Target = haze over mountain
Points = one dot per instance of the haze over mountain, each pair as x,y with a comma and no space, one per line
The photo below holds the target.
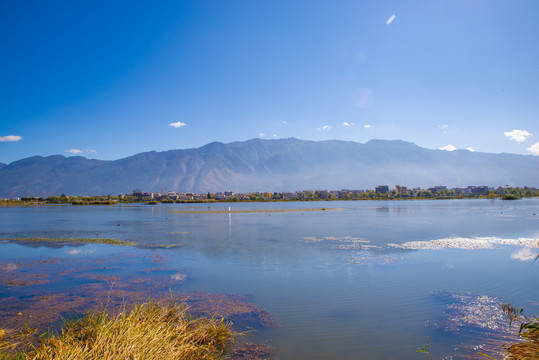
267,165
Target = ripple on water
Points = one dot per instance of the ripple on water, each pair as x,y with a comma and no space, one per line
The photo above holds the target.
479,322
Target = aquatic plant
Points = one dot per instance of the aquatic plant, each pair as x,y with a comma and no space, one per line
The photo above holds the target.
68,240
154,329
425,349
529,330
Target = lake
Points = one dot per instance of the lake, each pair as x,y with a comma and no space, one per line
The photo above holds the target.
341,279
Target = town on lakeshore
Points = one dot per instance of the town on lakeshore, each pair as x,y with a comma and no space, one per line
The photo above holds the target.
381,192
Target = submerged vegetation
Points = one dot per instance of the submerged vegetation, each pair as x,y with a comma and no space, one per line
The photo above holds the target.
154,329
72,240
250,211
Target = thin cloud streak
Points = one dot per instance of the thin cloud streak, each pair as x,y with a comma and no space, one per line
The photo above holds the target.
324,128
390,20
80,151
443,127
177,124
74,151
10,138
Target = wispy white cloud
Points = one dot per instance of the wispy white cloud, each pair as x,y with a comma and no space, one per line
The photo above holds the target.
10,138
448,148
274,135
80,151
348,123
325,128
443,127
390,20
177,124
534,148
74,151
517,135
284,122
470,149
367,126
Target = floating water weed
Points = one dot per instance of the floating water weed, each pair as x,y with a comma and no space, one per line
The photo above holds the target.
425,349
73,240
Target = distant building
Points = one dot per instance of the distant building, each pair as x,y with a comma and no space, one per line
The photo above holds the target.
381,189
437,189
143,195
401,190
288,195
478,190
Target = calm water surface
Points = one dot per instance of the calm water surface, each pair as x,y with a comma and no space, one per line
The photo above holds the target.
331,296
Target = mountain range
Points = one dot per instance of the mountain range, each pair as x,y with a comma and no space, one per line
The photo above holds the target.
267,165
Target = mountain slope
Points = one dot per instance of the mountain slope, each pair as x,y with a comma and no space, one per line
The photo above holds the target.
267,165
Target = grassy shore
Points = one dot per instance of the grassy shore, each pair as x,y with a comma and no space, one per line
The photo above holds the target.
154,329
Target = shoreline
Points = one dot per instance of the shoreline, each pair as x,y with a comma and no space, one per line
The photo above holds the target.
21,203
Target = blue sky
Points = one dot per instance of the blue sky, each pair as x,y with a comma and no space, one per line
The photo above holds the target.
108,80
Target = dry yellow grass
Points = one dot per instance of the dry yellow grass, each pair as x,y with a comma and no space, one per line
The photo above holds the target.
155,329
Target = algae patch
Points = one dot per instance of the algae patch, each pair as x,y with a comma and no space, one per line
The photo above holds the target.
341,242
72,240
471,243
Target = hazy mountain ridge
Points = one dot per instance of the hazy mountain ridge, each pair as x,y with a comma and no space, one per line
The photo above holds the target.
267,165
